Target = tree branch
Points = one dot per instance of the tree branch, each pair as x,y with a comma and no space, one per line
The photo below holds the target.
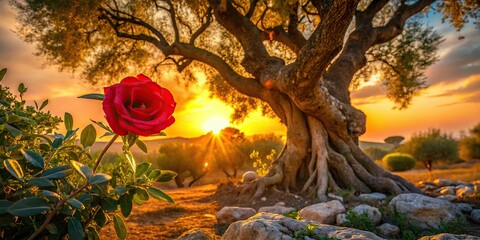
208,20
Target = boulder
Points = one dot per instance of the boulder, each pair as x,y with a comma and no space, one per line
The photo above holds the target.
476,187
424,211
448,236
276,209
333,196
465,191
323,212
341,219
388,230
227,215
372,198
448,190
372,212
464,207
266,226
475,215
249,176
444,182
447,197
196,234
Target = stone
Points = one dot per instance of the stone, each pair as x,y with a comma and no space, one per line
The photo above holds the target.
249,176
323,212
443,182
341,219
195,234
333,196
267,226
263,199
227,215
424,211
475,215
465,191
276,209
448,236
372,212
476,188
448,190
372,198
388,230
464,207
447,197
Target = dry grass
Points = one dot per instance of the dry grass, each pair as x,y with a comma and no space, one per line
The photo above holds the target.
466,171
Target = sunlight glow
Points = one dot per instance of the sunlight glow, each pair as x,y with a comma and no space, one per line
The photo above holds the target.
374,79
215,124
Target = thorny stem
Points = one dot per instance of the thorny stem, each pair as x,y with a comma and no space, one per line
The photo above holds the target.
63,201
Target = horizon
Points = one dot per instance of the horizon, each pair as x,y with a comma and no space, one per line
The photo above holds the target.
448,103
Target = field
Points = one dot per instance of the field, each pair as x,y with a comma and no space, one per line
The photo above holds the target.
196,207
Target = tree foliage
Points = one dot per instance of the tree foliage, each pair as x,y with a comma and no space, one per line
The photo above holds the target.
395,140
469,145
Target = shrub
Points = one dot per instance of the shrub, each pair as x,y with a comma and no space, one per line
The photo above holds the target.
398,162
359,221
262,165
431,146
50,187
376,153
469,146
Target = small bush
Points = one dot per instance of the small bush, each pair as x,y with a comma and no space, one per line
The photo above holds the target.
469,146
398,162
359,221
376,153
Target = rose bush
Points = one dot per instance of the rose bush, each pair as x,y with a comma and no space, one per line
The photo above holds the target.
139,106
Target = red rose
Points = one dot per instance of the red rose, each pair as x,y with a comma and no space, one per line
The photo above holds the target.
138,105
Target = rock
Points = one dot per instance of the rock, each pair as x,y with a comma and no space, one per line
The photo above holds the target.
475,215
424,211
476,188
464,207
372,198
322,212
276,209
444,182
447,197
423,183
280,204
195,234
388,230
263,199
465,191
333,196
448,236
227,215
372,212
449,190
266,226
341,219
249,176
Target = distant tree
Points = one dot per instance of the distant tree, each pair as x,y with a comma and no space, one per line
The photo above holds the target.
296,60
469,145
376,153
187,160
431,146
395,140
231,151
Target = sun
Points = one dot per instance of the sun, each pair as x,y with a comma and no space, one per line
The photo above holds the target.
215,124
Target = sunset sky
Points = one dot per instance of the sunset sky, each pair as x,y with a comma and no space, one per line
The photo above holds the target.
452,102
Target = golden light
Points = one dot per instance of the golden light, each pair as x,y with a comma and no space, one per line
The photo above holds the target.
206,164
215,124
374,80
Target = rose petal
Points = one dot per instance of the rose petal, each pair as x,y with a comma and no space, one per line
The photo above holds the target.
110,114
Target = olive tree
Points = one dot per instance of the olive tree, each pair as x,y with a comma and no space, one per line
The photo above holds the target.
296,60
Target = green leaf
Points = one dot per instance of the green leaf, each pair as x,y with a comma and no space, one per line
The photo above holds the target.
28,207
70,133
75,203
22,89
4,204
142,168
13,130
57,142
130,160
68,120
106,134
52,228
88,136
92,234
57,172
99,178
142,194
120,227
40,182
52,196
100,218
34,158
159,194
44,104
126,204
2,73
82,169
154,174
141,145
109,204
13,118
14,168
120,190
94,96
75,229
100,124
166,175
